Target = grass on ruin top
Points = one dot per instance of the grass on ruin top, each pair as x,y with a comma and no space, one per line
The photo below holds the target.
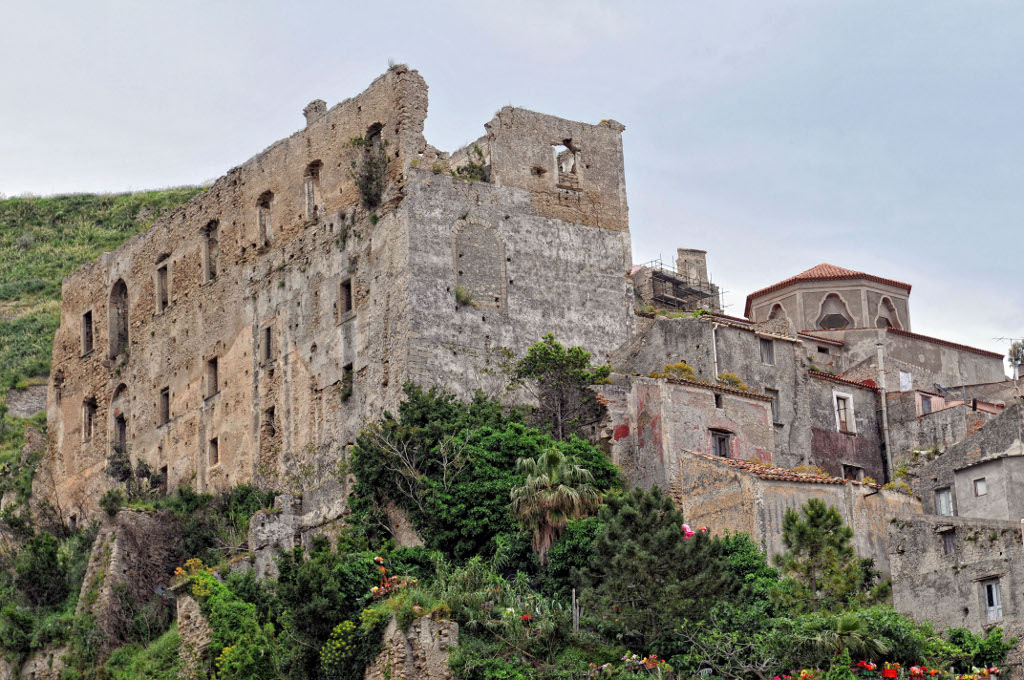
42,240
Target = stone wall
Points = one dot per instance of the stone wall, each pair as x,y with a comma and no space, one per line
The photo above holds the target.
419,653
940,429
942,579
27,402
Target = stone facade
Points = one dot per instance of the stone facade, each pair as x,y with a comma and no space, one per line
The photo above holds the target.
419,653
250,334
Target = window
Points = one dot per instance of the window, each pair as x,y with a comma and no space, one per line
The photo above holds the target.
212,386
948,542
263,217
267,343
774,394
834,314
87,332
120,444
214,450
344,299
211,250
165,405
566,164
347,382
906,381
944,502
718,400
720,443
993,602
926,405
980,487
311,183
88,418
823,350
161,289
163,480
767,351
844,413
117,317
853,472
268,422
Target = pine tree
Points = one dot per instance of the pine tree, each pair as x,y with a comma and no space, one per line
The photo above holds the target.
823,569
645,578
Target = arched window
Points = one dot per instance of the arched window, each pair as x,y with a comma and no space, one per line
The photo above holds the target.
887,316
266,232
117,319
777,312
834,314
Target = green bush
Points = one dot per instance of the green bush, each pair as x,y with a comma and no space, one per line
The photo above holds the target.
156,661
112,501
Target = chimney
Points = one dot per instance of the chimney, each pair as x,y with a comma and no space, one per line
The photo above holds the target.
314,110
692,263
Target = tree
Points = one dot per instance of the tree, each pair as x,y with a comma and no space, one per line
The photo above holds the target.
556,489
1016,357
822,568
40,572
560,379
644,577
837,635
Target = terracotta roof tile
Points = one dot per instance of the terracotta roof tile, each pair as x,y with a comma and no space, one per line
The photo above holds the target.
845,381
822,272
947,343
778,474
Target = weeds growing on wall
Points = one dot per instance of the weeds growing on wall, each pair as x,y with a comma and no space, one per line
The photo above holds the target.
369,169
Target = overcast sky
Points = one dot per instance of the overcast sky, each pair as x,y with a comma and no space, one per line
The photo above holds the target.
881,136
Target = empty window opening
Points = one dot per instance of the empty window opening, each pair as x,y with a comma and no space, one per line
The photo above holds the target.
212,385
120,443
767,351
777,312
165,405
311,184
844,413
993,601
344,298
269,429
347,381
58,386
718,400
774,394
161,289
720,441
163,481
373,134
88,418
118,318
211,250
823,350
853,472
263,205
214,451
944,502
73,521
87,332
948,542
980,487
887,316
565,158
267,342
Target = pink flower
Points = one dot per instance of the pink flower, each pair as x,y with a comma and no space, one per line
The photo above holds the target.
687,532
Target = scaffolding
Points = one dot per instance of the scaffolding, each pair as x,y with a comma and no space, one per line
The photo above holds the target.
674,289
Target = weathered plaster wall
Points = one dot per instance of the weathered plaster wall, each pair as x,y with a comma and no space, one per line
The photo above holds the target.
802,302
831,449
947,589
940,429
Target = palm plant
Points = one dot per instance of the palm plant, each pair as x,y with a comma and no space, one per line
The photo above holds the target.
830,636
556,490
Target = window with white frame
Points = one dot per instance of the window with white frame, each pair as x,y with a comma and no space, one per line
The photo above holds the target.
843,405
944,502
993,601
980,487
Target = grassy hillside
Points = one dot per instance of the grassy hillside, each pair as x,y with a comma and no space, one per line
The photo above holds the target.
44,239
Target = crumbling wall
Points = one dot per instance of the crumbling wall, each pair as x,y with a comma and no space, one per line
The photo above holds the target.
419,653
195,634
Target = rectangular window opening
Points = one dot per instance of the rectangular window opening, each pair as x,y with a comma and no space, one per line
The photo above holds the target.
853,472
718,400
268,343
823,350
993,600
926,405
948,542
212,385
214,450
767,351
720,443
211,250
161,289
344,298
906,381
88,418
944,502
347,381
844,414
980,487
774,394
165,405
120,444
87,336
268,422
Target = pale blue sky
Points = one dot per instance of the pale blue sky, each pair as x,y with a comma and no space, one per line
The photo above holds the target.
880,136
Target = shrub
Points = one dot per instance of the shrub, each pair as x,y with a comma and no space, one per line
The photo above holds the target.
39,573
112,501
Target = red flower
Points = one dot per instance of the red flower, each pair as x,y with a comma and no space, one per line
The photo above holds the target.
525,618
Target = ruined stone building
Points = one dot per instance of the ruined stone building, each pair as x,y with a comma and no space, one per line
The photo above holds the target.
249,336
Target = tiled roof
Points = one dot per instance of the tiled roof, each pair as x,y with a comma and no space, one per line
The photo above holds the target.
822,272
718,387
821,338
777,474
844,381
947,343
